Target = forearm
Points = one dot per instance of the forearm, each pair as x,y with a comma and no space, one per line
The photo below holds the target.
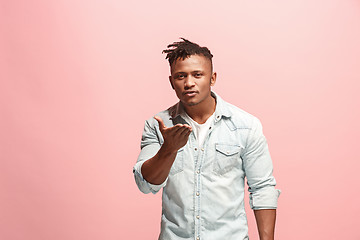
265,220
156,169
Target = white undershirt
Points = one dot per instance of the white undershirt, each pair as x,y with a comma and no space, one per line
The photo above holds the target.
200,130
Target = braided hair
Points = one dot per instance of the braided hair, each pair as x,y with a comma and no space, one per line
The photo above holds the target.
184,49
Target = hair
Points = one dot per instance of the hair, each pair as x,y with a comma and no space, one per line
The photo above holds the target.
184,49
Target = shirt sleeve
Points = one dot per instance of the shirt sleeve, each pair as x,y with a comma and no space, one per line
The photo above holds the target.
150,145
259,170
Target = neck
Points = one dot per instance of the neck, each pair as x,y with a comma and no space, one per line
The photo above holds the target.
202,111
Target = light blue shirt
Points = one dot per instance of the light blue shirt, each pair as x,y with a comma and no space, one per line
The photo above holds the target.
203,195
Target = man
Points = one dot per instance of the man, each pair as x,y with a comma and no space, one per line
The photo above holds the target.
199,151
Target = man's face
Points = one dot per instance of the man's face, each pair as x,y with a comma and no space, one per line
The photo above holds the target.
192,79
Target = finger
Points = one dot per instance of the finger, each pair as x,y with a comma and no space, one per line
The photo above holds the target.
185,134
160,121
188,126
183,131
176,129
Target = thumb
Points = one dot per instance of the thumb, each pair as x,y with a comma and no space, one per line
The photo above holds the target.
160,121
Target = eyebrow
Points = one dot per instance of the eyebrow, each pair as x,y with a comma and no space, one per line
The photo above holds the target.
180,73
196,71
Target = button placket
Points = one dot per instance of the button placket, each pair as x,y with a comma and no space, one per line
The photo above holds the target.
198,155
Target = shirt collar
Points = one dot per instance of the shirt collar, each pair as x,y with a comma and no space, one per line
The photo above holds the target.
220,110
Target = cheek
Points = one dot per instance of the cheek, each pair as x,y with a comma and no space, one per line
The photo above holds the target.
178,92
205,84
177,86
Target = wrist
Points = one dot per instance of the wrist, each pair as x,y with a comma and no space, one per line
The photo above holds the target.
167,149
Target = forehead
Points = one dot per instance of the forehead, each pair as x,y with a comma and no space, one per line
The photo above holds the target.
191,63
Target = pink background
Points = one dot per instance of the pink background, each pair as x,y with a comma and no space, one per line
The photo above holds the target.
79,78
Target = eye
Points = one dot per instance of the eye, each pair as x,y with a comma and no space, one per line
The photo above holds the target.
180,76
198,75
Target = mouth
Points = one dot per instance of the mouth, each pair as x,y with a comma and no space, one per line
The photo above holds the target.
190,93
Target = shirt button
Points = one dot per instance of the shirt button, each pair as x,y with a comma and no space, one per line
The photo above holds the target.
197,216
202,149
198,171
217,117
197,194
195,149
209,127
197,238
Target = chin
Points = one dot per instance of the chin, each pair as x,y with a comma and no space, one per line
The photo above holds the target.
189,103
192,104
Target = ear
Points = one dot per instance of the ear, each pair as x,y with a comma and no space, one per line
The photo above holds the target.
171,82
213,79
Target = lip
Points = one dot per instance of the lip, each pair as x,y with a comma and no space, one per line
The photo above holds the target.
190,93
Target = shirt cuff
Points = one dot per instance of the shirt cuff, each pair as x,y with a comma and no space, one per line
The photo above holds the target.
144,185
264,198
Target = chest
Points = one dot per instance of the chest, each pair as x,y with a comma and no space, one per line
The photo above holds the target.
220,154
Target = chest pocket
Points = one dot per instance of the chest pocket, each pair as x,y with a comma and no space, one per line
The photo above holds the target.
227,156
178,164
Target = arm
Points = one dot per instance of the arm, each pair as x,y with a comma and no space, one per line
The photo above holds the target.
156,169
155,161
258,168
265,220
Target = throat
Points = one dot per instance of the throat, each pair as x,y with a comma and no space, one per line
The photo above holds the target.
201,112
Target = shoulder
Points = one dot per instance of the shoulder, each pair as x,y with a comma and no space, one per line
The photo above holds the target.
241,118
165,115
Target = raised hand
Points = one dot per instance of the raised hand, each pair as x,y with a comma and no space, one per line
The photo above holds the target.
174,137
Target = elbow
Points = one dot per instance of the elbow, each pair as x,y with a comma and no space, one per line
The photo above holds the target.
141,183
144,186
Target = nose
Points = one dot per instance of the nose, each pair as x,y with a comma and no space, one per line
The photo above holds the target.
189,82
